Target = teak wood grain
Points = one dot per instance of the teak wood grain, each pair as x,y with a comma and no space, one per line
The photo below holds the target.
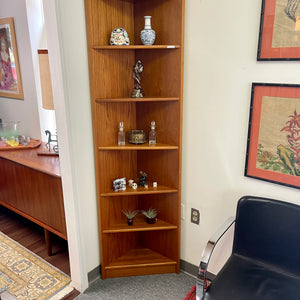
143,248
30,185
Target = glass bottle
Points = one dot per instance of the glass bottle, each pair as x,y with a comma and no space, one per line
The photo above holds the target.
121,135
152,134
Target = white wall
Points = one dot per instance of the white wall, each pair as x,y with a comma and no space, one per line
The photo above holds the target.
38,40
74,125
220,65
25,111
221,40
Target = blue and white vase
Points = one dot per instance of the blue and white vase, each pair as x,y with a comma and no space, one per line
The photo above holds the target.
148,34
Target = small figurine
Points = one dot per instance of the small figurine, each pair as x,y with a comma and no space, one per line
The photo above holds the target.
137,91
52,138
143,178
119,37
130,182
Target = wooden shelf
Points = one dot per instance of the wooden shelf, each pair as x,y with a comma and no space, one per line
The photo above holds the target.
143,248
145,146
140,225
135,47
140,257
146,99
141,191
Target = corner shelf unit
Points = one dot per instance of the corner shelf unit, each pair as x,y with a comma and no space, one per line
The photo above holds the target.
143,248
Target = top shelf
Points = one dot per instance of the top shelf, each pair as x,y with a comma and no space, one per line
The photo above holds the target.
135,47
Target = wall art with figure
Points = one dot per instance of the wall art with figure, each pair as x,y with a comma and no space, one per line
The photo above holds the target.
273,151
279,37
10,77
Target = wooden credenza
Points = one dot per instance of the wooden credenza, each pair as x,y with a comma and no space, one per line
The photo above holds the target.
30,185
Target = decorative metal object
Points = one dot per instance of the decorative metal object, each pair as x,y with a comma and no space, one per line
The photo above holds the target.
119,37
119,184
137,137
52,140
143,178
137,91
148,34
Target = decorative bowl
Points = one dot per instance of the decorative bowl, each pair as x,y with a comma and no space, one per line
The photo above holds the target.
137,137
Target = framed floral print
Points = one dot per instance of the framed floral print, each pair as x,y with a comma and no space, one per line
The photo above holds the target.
10,76
273,150
279,37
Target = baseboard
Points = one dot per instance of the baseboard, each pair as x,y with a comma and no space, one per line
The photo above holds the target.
188,268
184,266
193,270
94,274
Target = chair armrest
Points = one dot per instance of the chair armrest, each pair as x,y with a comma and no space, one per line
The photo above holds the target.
207,252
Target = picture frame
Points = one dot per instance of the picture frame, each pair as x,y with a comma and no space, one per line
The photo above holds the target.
10,76
273,145
279,36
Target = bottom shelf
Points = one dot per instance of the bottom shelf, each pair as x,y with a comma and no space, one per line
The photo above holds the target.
140,261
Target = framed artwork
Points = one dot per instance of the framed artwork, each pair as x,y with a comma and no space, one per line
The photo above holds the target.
279,37
10,77
273,150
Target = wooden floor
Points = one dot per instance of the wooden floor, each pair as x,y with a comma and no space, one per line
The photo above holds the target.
31,236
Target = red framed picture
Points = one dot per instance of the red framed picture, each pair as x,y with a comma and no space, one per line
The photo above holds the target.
279,37
273,150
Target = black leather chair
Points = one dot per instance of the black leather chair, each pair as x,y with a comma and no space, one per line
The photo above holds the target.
265,259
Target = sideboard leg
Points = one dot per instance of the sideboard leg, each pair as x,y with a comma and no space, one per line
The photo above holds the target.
48,242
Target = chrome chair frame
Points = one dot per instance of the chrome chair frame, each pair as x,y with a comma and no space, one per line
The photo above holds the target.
206,255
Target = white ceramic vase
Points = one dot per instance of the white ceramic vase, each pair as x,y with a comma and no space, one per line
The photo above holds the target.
148,34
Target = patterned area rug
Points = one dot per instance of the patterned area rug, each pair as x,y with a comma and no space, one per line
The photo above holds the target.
28,277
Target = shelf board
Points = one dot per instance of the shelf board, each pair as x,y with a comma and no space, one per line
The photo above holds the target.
140,225
145,146
129,99
141,190
141,257
135,47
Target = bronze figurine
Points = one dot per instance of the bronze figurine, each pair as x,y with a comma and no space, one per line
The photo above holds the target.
137,91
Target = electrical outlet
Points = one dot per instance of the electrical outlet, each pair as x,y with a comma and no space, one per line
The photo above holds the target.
195,216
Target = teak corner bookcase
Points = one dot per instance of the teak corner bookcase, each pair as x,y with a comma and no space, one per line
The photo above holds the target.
142,248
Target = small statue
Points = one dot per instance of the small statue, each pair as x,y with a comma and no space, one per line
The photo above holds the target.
143,178
137,91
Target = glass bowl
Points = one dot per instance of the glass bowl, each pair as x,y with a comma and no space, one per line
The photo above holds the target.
9,130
